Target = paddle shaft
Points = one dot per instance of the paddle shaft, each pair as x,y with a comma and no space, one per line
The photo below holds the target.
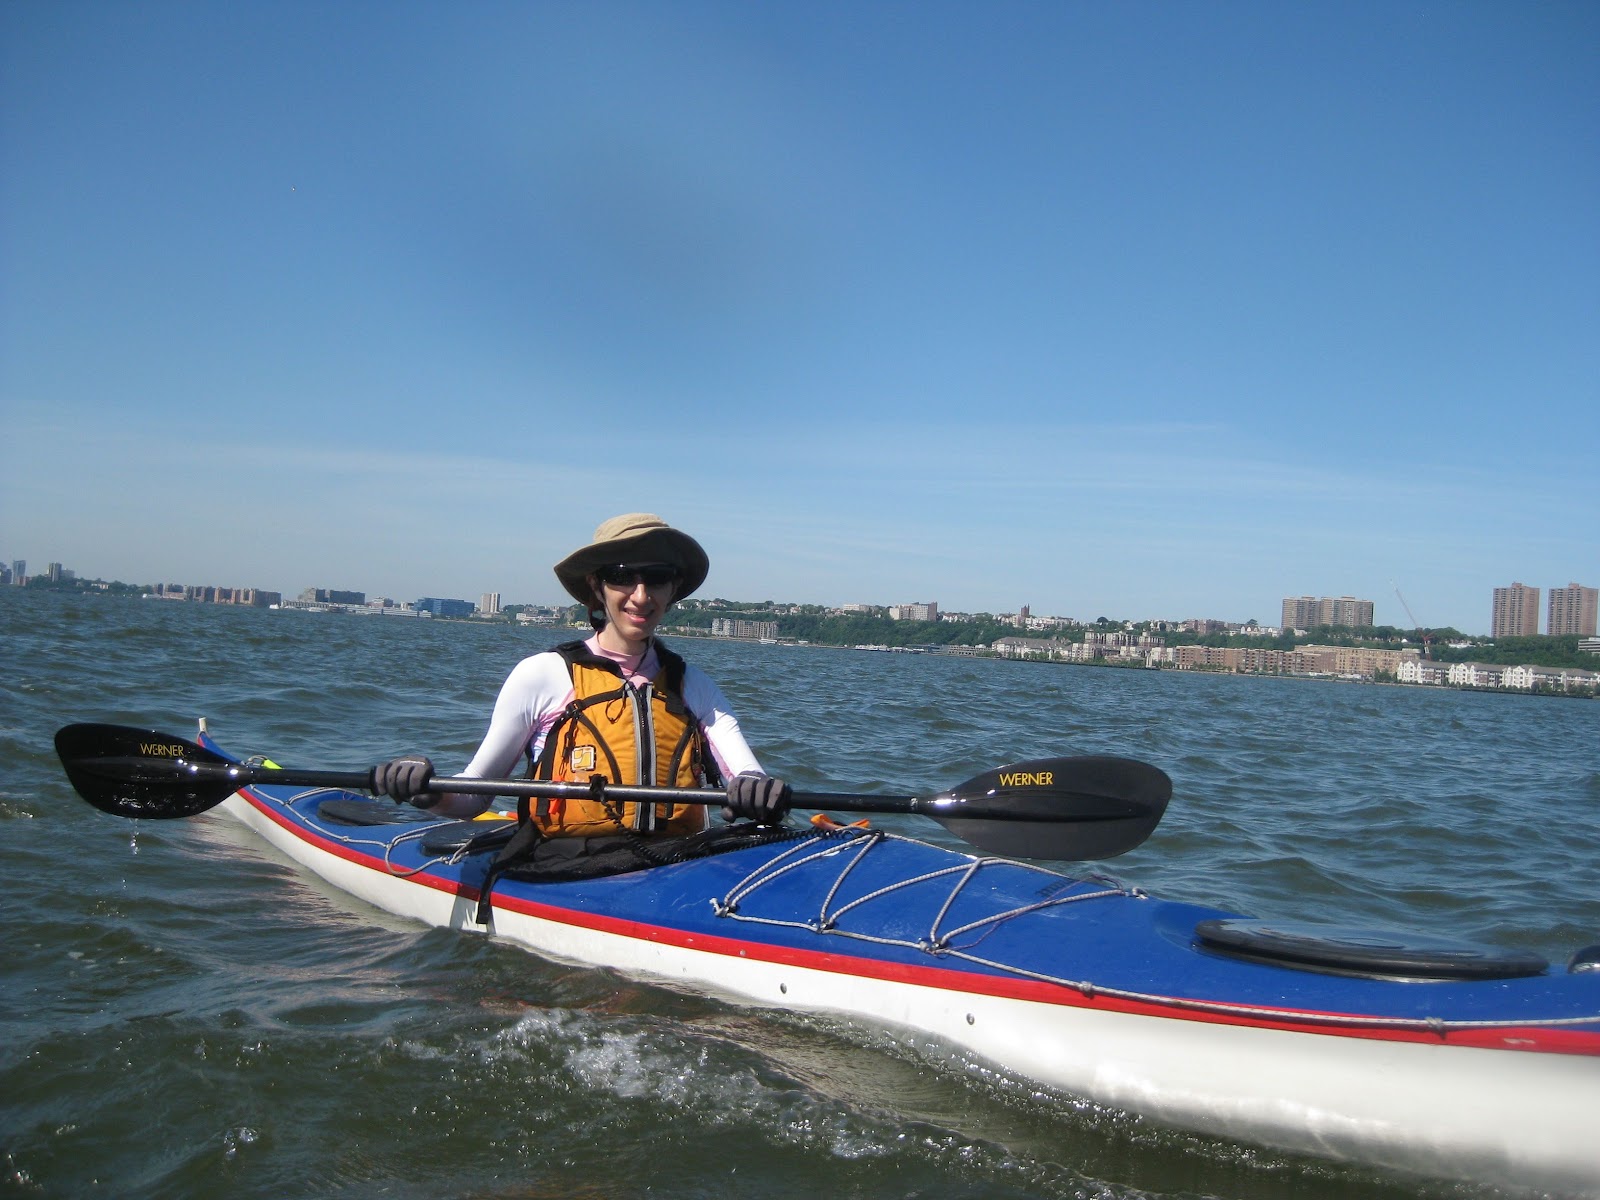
242,775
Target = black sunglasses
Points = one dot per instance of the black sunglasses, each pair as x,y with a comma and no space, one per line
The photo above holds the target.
628,575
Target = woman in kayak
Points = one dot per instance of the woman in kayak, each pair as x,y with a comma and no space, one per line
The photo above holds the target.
619,705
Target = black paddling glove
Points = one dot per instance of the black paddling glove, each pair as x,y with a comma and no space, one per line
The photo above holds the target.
759,798
404,779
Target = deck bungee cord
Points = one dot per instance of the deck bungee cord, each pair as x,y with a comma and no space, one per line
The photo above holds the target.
938,944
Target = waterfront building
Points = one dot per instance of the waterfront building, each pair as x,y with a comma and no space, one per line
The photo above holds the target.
1573,609
1536,676
1223,658
1523,678
1351,662
1359,661
1470,674
1422,670
209,594
1559,679
489,604
1025,647
19,571
1261,662
332,596
546,614
443,607
730,628
1515,612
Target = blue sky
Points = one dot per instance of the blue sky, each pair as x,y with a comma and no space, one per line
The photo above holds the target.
1130,310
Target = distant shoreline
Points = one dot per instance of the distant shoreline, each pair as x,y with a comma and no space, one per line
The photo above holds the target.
1578,682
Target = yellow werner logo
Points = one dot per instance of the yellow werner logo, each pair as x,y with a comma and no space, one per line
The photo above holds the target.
162,749
1027,778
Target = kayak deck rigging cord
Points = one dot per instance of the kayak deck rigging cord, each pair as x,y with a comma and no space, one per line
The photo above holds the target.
935,942
938,943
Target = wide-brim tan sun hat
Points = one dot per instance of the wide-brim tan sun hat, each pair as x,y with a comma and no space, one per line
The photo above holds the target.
633,538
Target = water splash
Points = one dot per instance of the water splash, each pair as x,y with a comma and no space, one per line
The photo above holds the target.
235,1140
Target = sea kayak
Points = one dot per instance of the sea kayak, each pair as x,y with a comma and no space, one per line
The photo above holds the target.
1441,1059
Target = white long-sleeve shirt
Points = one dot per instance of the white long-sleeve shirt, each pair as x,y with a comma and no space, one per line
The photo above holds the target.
539,689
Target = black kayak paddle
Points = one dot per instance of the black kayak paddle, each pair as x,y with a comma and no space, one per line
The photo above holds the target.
1089,806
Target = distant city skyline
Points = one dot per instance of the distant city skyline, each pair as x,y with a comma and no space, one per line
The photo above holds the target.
1573,610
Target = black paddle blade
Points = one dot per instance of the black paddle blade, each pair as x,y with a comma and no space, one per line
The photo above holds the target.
140,773
1090,806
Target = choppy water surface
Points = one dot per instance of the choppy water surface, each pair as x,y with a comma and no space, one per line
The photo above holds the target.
186,1014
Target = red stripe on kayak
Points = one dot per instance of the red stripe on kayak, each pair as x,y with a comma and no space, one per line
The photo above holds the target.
361,858
1495,1037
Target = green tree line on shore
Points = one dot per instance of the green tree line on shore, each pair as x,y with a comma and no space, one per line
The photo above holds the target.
812,623
43,583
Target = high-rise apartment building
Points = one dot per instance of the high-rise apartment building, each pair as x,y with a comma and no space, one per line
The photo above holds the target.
1307,612
1300,612
489,603
1515,612
1346,610
1573,609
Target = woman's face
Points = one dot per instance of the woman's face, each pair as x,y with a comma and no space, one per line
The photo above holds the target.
635,602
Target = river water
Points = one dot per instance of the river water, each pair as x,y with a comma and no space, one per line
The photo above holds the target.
185,1013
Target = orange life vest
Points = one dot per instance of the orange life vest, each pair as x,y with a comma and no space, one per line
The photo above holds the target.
624,734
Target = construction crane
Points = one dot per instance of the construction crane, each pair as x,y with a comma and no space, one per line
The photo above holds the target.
1427,638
